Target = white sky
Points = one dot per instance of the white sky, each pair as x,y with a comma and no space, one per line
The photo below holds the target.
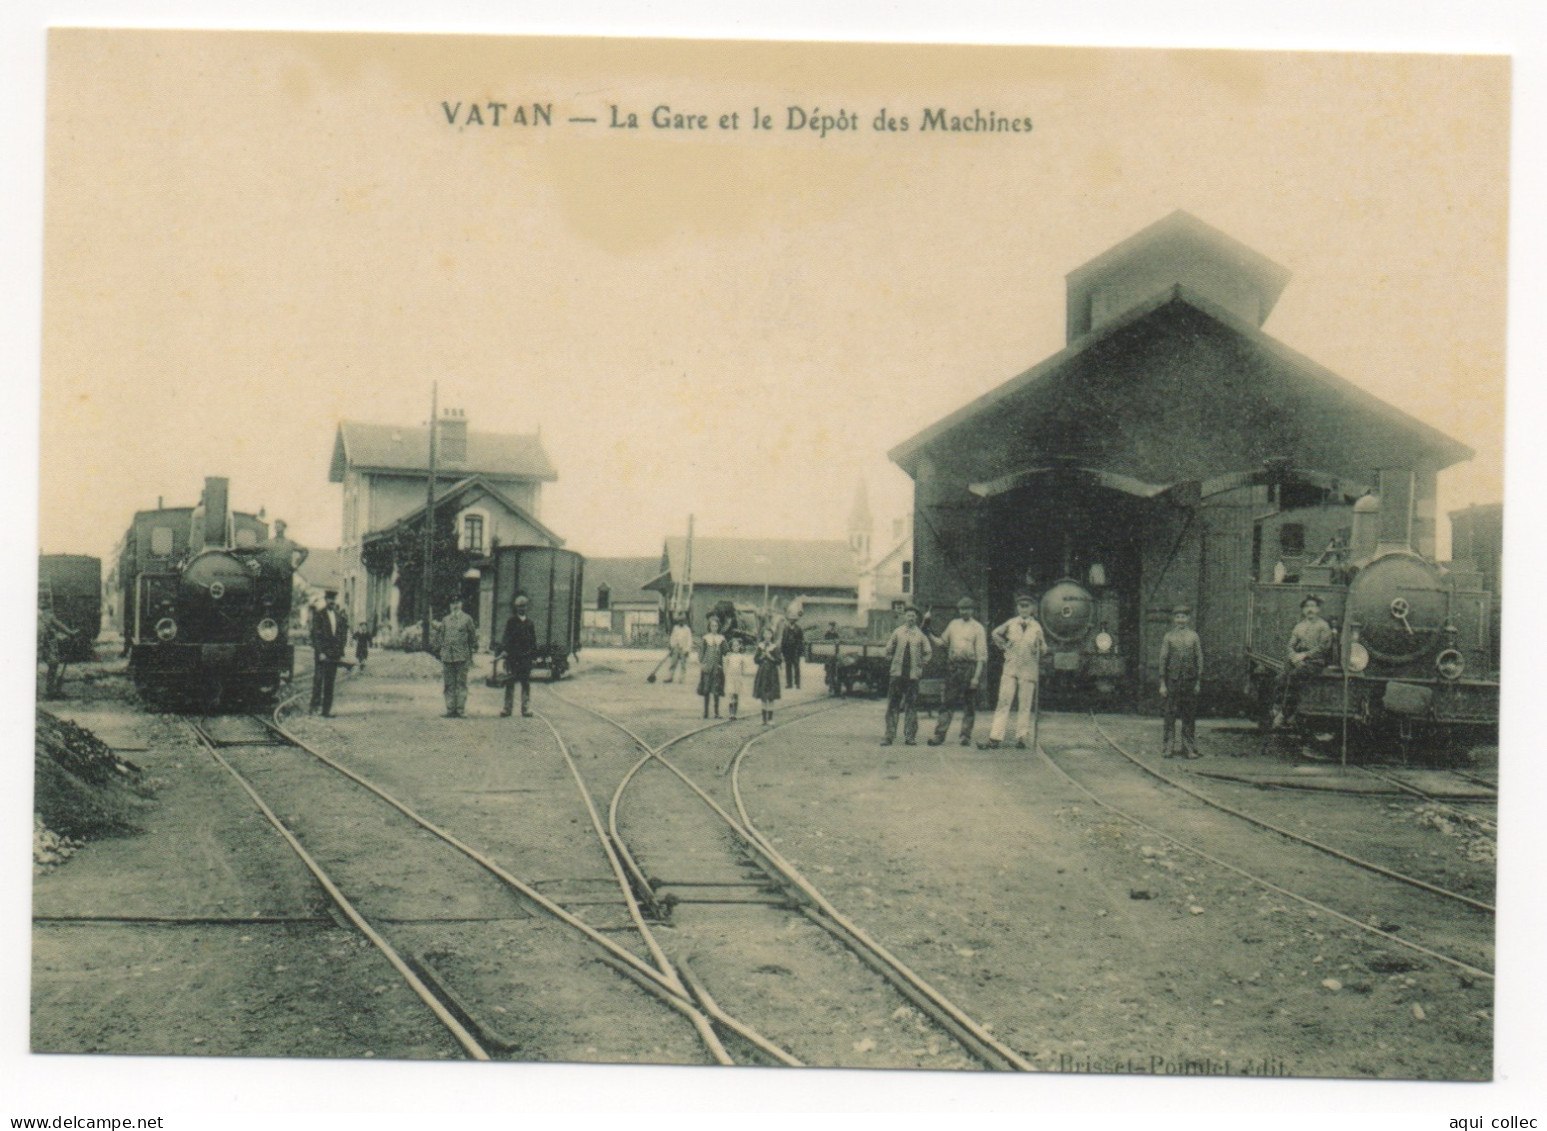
250,237
975,282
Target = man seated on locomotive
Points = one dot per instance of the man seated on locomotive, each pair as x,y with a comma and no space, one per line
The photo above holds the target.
280,556
1181,681
330,633
1311,646
966,653
519,648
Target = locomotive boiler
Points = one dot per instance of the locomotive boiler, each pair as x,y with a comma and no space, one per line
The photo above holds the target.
1080,627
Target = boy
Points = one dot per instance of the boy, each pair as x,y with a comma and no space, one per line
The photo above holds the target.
1181,679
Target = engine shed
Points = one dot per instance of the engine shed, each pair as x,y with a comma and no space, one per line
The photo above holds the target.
1141,459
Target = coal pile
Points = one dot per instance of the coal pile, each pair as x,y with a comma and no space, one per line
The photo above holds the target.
81,790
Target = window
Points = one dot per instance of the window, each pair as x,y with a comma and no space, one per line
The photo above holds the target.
246,537
907,577
161,541
603,597
1291,539
472,533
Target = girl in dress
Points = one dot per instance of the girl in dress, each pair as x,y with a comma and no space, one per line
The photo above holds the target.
711,677
737,665
766,685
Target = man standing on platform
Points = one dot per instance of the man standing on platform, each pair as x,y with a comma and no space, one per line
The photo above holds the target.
330,634
519,647
909,652
965,641
1181,679
794,650
458,643
1020,639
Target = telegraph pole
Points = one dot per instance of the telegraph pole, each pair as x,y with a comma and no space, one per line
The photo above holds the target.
429,519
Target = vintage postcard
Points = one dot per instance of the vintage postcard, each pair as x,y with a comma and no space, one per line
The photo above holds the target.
771,554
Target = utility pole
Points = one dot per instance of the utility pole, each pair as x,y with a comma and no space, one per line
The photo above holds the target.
429,519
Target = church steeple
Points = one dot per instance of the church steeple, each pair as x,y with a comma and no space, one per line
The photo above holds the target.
861,524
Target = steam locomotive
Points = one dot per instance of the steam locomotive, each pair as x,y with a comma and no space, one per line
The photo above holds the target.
1081,626
1416,651
206,609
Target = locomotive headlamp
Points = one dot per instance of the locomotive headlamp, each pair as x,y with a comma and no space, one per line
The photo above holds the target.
1358,657
166,630
268,630
1450,664
1104,641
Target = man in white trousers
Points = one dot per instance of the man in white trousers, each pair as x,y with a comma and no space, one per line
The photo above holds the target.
1020,639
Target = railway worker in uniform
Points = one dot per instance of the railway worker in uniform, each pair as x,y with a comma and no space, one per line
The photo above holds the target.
965,642
458,643
909,651
52,633
518,646
1181,680
832,634
765,685
711,671
679,646
330,634
1020,639
1310,648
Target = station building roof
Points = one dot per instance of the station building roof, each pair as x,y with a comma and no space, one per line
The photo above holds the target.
389,448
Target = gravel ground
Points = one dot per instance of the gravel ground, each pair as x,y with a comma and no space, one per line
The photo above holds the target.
1085,942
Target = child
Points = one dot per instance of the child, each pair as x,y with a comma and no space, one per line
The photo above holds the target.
711,677
766,685
1181,678
736,666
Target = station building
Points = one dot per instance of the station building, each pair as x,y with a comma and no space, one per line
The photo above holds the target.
491,481
1138,459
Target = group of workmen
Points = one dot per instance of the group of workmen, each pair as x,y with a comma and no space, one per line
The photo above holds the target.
1021,642
454,641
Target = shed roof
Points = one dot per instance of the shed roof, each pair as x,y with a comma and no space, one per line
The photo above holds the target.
1146,396
625,578
762,561
386,447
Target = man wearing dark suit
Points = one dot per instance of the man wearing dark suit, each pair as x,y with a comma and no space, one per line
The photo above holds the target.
519,647
330,633
794,648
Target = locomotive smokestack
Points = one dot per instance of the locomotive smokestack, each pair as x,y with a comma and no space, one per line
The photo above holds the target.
217,511
1396,511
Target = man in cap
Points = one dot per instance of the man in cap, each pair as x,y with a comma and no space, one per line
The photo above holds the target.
519,647
330,634
793,648
1181,680
965,642
458,643
1310,647
679,646
909,651
1020,639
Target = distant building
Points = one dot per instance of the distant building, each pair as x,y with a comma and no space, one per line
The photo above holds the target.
755,571
317,574
887,582
617,609
493,480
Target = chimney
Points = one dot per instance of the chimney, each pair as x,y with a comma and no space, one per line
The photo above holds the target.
453,437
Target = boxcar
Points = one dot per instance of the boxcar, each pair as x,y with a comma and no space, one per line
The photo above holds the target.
551,579
70,586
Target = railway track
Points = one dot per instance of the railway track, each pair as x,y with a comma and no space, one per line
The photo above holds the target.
726,853
468,1025
1218,827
